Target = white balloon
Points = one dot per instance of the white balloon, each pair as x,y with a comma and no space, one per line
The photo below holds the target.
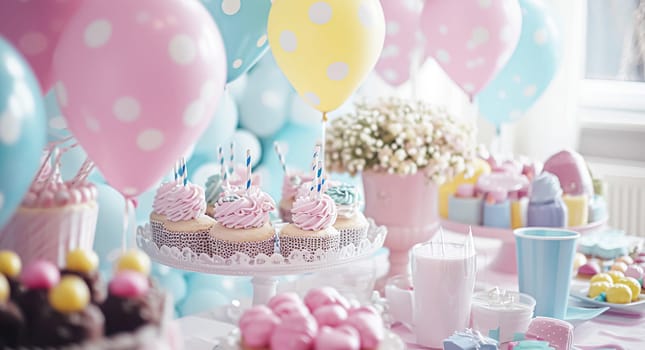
246,140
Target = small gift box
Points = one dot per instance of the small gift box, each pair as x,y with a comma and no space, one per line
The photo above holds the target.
469,340
558,333
529,345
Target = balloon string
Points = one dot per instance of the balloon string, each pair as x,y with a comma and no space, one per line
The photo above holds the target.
322,141
124,234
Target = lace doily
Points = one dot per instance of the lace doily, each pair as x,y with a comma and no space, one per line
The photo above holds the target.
298,261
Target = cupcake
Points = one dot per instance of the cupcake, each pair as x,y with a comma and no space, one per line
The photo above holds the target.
130,304
38,278
53,218
313,216
243,224
216,185
351,223
69,318
84,264
290,185
10,267
178,218
12,322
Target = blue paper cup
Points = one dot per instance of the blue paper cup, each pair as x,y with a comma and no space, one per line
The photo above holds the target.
544,266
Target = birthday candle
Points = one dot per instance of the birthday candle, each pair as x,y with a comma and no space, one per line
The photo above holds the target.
319,177
231,160
183,160
220,156
280,157
248,169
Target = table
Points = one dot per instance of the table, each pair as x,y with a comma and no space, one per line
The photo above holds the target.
608,331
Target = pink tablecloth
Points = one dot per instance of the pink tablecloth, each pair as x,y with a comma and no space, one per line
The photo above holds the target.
607,331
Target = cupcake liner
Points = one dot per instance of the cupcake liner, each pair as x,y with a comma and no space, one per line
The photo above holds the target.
311,244
226,249
198,241
352,235
285,215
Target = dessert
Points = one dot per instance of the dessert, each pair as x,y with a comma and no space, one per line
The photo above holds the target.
572,173
465,206
350,222
497,209
84,264
614,288
217,184
57,312
619,266
615,275
130,305
546,208
290,186
634,271
597,288
313,217
326,322
10,268
579,260
12,322
69,318
619,294
591,268
178,218
55,216
558,333
243,224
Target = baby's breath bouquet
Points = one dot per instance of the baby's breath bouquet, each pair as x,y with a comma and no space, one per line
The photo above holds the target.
400,137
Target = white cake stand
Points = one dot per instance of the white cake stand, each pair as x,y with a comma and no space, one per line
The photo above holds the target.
264,269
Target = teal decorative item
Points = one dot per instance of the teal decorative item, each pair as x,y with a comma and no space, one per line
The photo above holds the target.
243,26
23,130
530,69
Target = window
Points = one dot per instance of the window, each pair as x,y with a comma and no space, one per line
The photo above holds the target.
612,91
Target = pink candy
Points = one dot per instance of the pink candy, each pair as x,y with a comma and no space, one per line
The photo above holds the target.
129,284
296,332
324,296
634,271
257,325
369,327
40,274
330,315
341,338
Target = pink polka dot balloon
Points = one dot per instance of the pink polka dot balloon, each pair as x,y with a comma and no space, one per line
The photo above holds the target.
33,27
473,41
403,40
138,82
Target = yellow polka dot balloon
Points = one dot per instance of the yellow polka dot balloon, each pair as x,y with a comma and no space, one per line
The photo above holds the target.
326,48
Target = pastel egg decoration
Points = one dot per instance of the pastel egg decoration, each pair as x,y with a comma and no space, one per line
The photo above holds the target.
137,82
471,42
243,25
570,168
326,48
22,128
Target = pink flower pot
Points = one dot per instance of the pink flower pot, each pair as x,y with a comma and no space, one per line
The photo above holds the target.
407,205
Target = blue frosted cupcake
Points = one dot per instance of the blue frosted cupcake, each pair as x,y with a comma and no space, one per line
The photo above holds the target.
350,222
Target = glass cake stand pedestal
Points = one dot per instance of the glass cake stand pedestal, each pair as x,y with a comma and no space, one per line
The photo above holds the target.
505,260
263,269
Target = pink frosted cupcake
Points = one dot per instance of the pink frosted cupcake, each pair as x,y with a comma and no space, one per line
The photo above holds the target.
54,217
243,224
290,185
313,216
178,218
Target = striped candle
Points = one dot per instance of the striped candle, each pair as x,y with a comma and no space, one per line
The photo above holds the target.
276,147
319,177
220,157
231,159
248,169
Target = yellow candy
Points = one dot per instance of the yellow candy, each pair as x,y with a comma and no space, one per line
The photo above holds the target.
134,260
633,284
598,287
4,289
619,266
80,260
619,294
602,277
70,295
10,264
616,275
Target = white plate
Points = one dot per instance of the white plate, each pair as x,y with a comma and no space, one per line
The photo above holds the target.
635,308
